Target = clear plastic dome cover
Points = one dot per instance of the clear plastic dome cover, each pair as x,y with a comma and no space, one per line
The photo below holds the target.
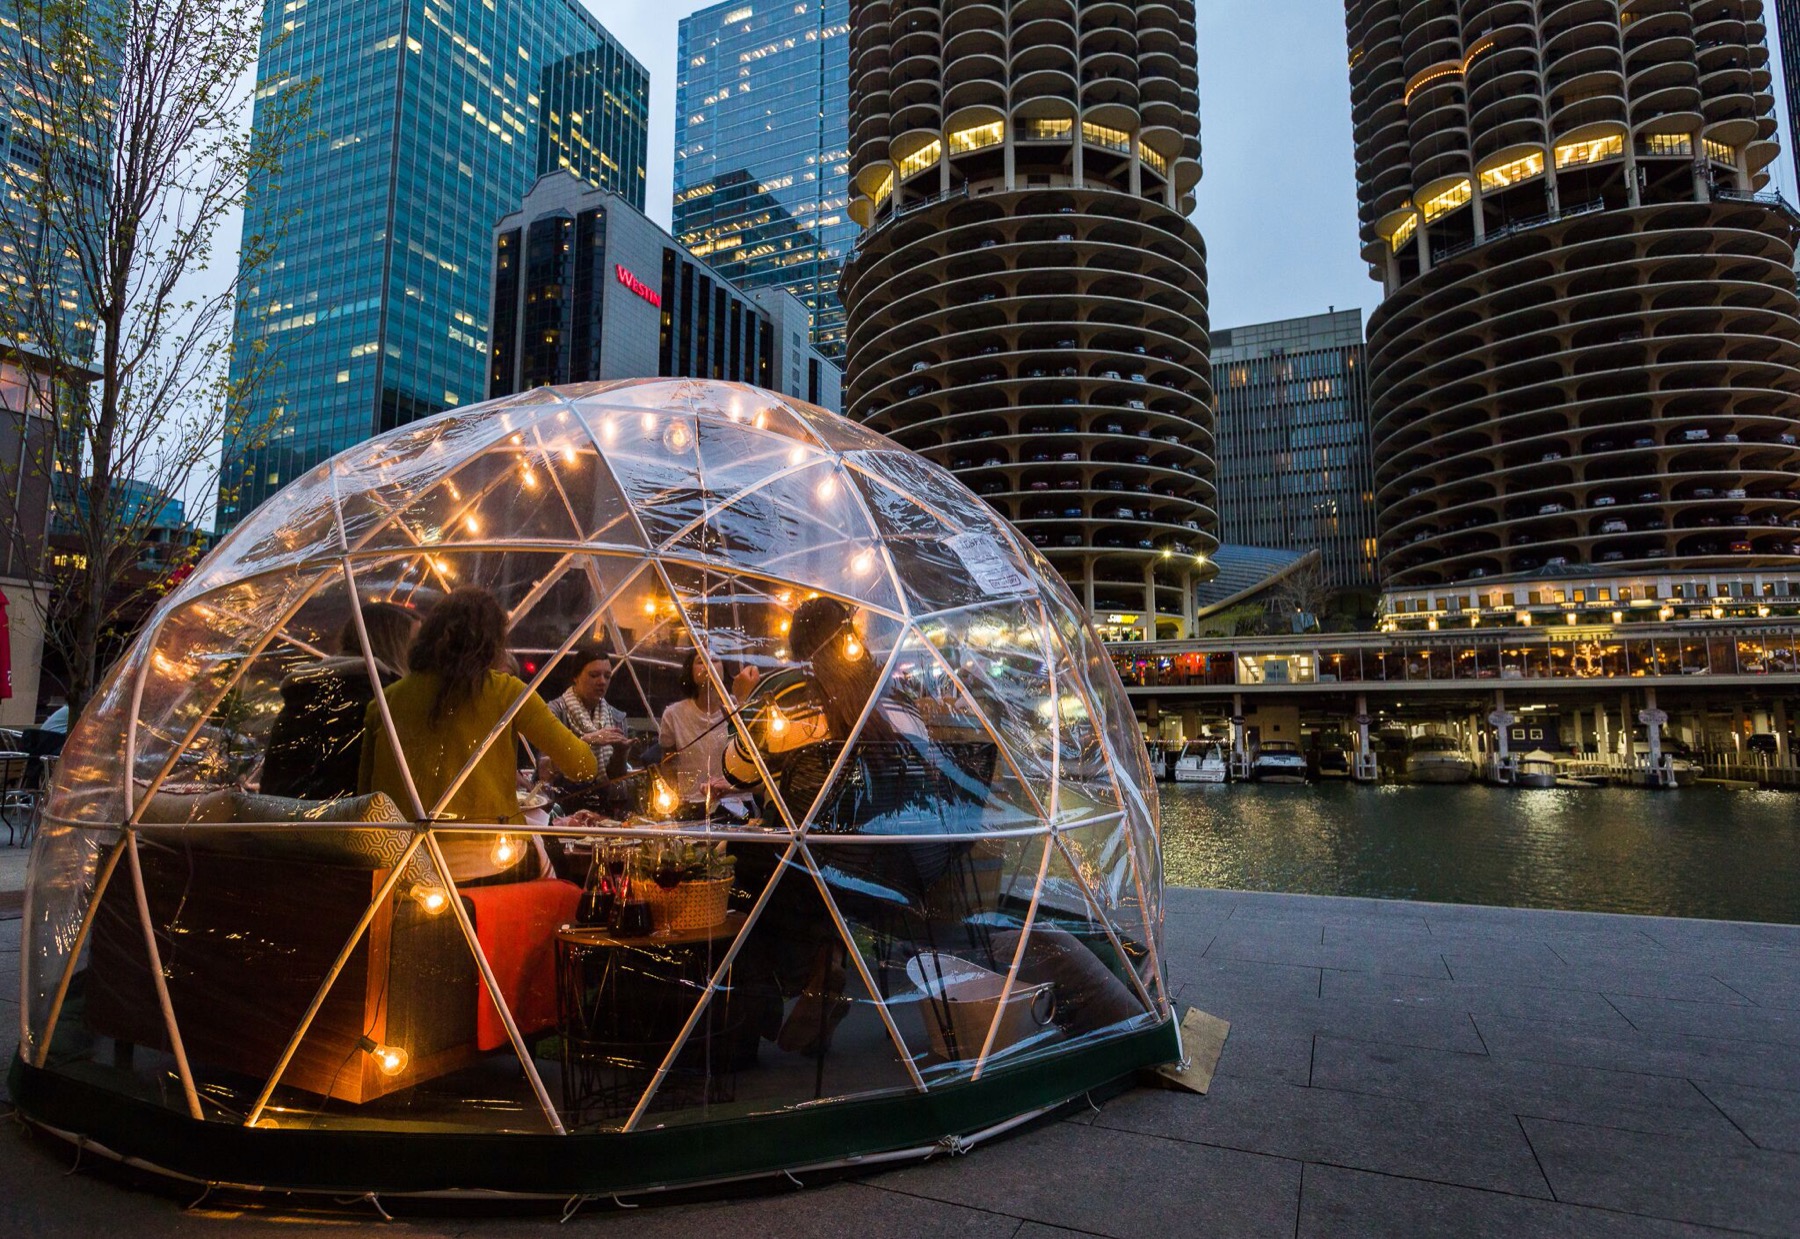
915,864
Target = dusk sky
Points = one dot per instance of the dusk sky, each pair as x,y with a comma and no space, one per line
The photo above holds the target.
1278,202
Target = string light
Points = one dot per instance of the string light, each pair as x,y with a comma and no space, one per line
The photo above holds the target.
433,899
827,489
777,720
505,850
473,525
852,647
662,797
862,563
569,456
390,1058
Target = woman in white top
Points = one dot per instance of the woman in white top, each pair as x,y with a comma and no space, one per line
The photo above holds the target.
693,736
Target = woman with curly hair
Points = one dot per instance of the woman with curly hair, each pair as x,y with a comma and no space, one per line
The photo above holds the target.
451,698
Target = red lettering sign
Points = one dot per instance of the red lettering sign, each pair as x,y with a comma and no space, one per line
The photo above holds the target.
637,286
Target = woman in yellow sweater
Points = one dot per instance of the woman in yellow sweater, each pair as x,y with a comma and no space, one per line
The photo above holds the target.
444,708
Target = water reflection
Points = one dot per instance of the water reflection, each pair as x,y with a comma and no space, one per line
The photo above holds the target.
1700,853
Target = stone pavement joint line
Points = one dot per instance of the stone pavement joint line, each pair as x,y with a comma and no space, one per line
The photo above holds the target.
1392,1069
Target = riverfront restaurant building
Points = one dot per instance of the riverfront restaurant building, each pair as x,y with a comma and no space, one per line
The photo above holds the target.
587,287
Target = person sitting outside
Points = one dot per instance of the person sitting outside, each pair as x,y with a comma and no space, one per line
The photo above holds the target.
444,709
315,745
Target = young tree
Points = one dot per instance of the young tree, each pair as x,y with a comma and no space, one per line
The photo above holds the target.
132,149
1304,592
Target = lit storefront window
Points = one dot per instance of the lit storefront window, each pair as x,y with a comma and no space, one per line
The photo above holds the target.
977,137
1518,170
1598,150
1101,135
1450,199
925,157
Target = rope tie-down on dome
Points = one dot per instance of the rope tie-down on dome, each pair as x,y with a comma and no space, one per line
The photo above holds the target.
871,863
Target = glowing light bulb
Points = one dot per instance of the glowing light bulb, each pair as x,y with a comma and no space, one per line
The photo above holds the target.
785,597
569,456
529,477
852,647
471,524
454,493
796,455
391,1059
783,626
862,563
663,798
648,422
609,430
762,420
518,440
649,606
827,488
677,438
433,899
506,850
777,721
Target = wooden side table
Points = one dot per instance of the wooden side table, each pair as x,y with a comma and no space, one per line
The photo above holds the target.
622,1001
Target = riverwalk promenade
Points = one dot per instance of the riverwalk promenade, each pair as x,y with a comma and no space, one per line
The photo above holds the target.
1392,1068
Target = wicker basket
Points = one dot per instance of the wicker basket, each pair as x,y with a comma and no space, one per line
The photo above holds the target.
692,905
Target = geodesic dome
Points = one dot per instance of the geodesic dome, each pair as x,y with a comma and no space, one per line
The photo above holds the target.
924,911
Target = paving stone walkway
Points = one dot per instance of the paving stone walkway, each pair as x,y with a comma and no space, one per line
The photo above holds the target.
1393,1069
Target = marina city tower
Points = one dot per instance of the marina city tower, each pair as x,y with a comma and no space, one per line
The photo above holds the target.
1585,374
1027,304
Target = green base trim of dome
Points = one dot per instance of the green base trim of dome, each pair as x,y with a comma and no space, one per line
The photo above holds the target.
603,1163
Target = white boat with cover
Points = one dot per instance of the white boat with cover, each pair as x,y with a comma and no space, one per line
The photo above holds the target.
1279,761
1201,761
1438,759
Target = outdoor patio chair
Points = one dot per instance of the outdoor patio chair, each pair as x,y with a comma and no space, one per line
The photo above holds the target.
16,799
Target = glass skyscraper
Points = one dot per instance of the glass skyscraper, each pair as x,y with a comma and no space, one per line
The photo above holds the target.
762,105
431,120
1294,462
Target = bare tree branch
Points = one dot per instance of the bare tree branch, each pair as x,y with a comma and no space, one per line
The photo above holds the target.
133,117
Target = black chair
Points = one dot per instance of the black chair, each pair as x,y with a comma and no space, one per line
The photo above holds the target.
26,788
902,891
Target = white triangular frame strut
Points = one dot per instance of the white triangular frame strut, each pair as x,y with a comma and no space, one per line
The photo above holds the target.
493,985
382,894
42,1049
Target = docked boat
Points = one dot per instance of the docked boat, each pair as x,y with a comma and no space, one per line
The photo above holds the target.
1279,761
1534,769
1438,759
1335,764
1201,761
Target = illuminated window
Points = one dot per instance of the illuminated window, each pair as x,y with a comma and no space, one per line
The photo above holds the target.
926,156
883,190
1668,144
739,15
1443,203
1718,151
1101,135
1041,129
1571,154
1512,173
977,137
1403,231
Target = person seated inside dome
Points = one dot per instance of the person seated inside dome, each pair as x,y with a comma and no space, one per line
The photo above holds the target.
315,745
584,710
444,709
693,736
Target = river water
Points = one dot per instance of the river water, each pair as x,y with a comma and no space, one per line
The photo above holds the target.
1699,852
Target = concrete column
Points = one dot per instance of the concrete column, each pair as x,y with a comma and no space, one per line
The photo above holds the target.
1136,181
1008,152
1150,598
1502,720
1737,731
1602,736
1479,223
1782,753
1240,748
1653,724
1078,166
1626,731
1365,771
1578,738
1635,196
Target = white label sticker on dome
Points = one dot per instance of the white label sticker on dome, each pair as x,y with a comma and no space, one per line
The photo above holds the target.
987,564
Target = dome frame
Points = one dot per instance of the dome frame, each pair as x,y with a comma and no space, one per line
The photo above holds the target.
695,512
